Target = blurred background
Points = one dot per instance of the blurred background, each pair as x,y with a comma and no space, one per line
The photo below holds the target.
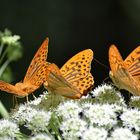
71,26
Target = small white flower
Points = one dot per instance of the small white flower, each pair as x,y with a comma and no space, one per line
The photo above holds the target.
41,137
95,134
68,109
101,115
39,121
37,101
73,128
135,98
131,119
10,39
122,134
8,129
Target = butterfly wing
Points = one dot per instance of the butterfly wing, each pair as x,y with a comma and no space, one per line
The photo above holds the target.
11,89
115,59
57,84
77,71
120,74
39,58
132,63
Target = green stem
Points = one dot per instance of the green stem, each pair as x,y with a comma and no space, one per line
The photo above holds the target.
1,48
21,136
3,111
4,54
52,125
2,69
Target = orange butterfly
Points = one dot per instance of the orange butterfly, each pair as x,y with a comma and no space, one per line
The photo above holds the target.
74,79
35,75
125,74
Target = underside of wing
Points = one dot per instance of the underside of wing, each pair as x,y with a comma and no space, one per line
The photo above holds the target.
39,58
132,63
115,59
11,89
39,76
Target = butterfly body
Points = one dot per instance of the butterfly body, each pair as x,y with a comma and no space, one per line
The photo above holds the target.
74,79
125,74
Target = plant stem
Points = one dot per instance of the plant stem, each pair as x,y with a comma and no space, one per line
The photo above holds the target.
3,55
1,48
3,111
4,66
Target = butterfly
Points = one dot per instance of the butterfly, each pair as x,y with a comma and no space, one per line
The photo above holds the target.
35,75
125,73
74,78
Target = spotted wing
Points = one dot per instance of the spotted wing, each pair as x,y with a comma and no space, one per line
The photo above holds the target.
37,62
132,63
77,71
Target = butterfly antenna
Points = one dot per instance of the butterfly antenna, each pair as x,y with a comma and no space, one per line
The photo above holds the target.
101,63
106,79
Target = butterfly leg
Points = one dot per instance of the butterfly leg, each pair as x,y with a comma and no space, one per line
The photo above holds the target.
33,96
15,101
27,99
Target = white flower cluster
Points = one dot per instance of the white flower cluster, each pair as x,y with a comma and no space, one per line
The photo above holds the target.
8,129
39,121
68,109
131,119
101,115
35,119
73,128
106,89
10,39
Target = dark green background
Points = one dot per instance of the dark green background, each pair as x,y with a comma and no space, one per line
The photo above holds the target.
71,25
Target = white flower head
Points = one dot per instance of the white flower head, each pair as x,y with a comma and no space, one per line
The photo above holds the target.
24,113
39,121
107,90
73,128
131,119
68,109
10,39
122,134
95,134
41,137
8,129
101,115
102,89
